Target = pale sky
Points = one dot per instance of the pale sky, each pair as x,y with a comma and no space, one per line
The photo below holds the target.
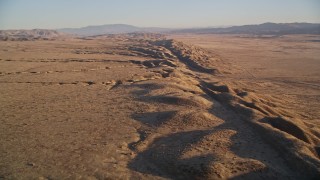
52,14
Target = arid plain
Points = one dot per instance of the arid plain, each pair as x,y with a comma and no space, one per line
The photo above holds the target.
148,106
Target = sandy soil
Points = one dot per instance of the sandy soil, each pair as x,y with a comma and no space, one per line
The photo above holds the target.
143,107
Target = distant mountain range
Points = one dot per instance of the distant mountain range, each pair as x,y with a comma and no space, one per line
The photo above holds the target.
261,29
110,29
266,28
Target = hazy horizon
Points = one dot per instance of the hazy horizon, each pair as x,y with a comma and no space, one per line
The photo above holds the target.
17,14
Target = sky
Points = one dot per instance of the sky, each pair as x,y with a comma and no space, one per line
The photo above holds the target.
53,14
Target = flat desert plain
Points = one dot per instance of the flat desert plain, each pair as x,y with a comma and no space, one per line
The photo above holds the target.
145,106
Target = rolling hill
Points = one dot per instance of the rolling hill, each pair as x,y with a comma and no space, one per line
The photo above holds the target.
27,35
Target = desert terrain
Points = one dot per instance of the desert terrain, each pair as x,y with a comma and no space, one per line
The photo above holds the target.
149,106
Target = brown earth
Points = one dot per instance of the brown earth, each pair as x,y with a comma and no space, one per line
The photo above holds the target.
145,107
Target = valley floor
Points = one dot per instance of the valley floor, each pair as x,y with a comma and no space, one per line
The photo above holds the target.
140,106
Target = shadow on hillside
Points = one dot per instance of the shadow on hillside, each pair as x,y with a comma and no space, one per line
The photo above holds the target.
164,155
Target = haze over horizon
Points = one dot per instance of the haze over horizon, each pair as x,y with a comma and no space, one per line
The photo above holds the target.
17,14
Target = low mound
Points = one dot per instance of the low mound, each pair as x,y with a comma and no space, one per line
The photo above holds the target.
191,119
180,101
288,127
194,57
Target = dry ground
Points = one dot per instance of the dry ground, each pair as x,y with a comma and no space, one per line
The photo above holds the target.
280,66
142,107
